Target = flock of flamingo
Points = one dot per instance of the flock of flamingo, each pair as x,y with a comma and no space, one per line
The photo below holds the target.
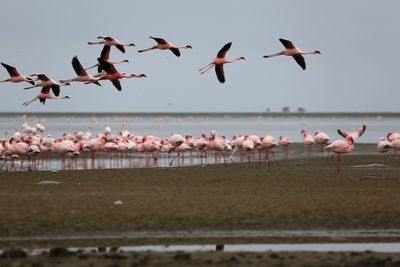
107,70
70,146
126,150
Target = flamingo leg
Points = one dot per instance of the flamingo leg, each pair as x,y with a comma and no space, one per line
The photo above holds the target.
207,69
30,101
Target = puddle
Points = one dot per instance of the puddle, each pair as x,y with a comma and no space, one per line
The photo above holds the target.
371,166
309,247
330,234
48,182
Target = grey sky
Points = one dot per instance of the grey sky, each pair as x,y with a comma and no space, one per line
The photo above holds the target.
357,70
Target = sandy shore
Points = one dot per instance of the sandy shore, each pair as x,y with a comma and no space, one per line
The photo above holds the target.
297,194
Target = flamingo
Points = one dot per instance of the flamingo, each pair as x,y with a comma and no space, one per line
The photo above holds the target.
113,75
15,76
83,76
44,94
293,51
285,142
108,40
322,139
163,44
341,147
47,82
383,146
219,62
391,136
359,132
268,142
105,54
308,140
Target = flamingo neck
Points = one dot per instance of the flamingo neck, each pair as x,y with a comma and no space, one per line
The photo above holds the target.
309,52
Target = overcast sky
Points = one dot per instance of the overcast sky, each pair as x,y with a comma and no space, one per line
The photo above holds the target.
356,71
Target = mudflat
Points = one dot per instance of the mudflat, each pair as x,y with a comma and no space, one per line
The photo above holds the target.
118,207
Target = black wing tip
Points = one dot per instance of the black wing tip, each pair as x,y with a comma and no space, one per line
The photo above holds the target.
341,133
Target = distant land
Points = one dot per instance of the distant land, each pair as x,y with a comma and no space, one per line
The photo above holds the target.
205,114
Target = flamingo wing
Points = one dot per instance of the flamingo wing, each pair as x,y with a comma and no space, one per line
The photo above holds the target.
222,52
120,48
42,77
105,52
117,84
45,90
219,70
11,70
342,133
80,71
107,66
56,89
175,51
361,130
287,44
42,100
300,60
159,40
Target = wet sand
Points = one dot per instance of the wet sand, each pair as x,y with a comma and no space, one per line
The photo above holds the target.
295,194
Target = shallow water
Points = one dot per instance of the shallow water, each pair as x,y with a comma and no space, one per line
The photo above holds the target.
306,247
330,234
229,125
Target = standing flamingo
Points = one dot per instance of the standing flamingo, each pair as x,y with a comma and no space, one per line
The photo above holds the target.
105,54
293,51
162,44
308,140
108,40
391,136
285,142
341,147
322,139
219,62
360,131
383,147
113,75
44,94
83,76
15,76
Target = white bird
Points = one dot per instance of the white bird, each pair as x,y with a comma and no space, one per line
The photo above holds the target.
293,51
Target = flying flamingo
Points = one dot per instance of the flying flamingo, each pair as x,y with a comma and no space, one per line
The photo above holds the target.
44,94
360,131
83,76
107,40
219,62
47,82
293,51
162,44
16,77
113,75
341,147
105,54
